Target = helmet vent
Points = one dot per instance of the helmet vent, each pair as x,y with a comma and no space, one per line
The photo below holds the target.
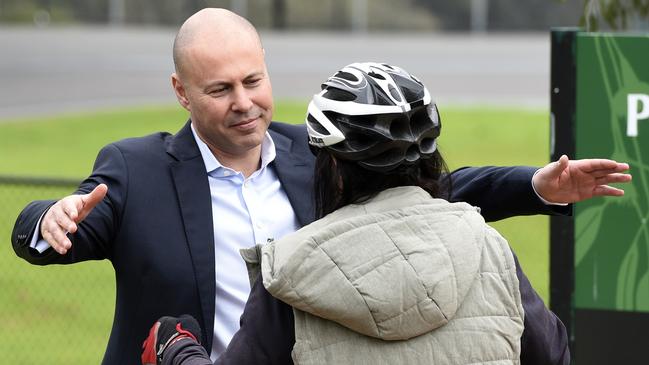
376,76
394,93
347,76
400,129
412,95
427,145
316,125
420,122
412,154
361,121
359,141
339,95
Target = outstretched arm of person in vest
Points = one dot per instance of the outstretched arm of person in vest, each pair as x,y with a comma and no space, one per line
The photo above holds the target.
175,340
544,340
266,336
267,332
188,352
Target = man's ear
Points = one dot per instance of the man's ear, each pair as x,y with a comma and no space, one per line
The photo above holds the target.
180,91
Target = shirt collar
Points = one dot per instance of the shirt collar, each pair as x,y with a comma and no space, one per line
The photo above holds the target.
212,164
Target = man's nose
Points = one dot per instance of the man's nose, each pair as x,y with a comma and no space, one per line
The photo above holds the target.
242,101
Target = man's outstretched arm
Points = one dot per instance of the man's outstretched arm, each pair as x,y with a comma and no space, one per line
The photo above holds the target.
571,181
503,192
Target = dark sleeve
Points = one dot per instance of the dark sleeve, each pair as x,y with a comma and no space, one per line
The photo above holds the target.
267,332
25,228
186,352
501,192
544,340
93,239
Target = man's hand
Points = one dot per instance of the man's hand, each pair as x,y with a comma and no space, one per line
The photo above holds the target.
64,216
567,181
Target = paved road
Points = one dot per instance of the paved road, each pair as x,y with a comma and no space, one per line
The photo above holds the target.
53,70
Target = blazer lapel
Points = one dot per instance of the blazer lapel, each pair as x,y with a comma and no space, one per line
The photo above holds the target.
192,188
295,172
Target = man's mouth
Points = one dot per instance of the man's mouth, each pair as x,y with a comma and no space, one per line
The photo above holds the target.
246,123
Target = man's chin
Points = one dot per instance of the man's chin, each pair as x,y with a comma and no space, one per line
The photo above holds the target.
250,140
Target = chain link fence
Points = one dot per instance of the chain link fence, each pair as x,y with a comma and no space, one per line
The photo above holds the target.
57,314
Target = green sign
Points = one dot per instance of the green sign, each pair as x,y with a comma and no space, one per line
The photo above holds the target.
612,120
599,265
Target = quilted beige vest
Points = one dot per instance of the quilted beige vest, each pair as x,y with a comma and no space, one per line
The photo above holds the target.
400,279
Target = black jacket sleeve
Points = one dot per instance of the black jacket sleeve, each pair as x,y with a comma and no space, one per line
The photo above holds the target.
500,192
186,352
24,230
544,340
94,237
267,332
266,336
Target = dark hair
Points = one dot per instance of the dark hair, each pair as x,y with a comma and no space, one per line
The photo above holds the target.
338,182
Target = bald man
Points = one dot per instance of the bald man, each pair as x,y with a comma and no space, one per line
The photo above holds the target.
172,211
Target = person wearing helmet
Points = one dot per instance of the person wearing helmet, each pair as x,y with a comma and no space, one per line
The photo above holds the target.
391,272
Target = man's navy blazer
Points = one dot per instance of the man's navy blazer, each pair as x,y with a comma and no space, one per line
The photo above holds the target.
155,224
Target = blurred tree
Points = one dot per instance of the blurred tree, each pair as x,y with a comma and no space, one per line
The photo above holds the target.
89,11
616,13
505,15
279,14
386,15
25,11
451,15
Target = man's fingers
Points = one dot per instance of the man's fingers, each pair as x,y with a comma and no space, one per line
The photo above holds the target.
613,178
91,199
556,168
65,222
603,173
58,221
602,166
622,167
57,239
63,217
605,190
66,215
70,209
62,240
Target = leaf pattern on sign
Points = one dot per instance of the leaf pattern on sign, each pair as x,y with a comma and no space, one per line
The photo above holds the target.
586,229
632,277
642,300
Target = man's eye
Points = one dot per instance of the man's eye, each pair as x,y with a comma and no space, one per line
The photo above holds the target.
218,91
253,81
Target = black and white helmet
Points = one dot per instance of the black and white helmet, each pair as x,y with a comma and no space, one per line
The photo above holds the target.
375,114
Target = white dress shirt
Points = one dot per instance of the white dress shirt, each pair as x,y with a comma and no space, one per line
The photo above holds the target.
245,212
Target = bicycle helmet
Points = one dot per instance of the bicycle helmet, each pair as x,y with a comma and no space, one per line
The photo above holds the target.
375,114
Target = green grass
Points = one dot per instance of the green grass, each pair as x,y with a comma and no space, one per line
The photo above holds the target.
62,314
67,145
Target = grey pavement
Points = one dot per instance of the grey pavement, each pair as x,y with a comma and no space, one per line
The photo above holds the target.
54,70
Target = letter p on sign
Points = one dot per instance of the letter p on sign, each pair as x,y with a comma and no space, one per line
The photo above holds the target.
637,108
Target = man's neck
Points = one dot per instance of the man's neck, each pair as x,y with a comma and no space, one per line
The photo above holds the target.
245,163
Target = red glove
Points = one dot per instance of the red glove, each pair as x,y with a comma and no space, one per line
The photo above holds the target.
164,333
